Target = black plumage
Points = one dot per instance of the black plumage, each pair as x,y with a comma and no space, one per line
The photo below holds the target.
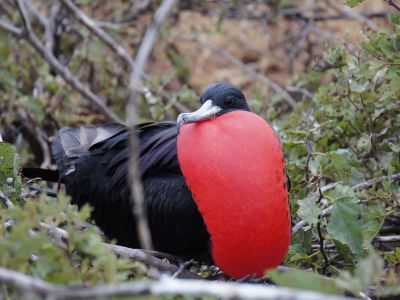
93,165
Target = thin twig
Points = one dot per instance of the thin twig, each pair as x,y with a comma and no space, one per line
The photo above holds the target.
164,287
364,185
51,26
34,41
346,11
36,138
388,238
99,33
36,15
7,202
321,237
356,188
135,81
11,28
302,36
391,3
144,51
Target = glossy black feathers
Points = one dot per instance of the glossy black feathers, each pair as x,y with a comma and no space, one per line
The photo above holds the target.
93,165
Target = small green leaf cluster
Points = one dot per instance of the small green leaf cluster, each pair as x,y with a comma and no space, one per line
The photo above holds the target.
27,245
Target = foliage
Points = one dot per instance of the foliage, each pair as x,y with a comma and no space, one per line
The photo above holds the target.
26,246
348,133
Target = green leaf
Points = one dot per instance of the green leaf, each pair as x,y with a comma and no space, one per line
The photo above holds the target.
354,225
395,147
394,19
6,161
393,258
358,87
304,280
341,164
345,225
309,210
352,3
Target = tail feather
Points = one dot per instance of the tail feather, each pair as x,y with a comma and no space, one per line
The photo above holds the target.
71,143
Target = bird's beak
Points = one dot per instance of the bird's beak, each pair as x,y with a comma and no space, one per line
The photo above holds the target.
207,111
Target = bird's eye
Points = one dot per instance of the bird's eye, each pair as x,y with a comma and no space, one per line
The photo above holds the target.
229,102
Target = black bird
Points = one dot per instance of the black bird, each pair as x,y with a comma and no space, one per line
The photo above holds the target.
93,164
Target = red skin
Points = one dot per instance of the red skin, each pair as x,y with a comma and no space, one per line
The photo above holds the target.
234,167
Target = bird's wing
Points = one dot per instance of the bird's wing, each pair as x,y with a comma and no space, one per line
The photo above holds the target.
157,148
94,171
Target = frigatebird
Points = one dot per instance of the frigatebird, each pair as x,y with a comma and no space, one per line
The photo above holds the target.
214,183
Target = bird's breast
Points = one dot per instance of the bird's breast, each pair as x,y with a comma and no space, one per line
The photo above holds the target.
234,167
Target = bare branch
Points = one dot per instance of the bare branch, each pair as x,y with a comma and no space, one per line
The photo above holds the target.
371,182
34,41
135,81
51,26
346,11
7,202
144,51
135,254
11,28
101,34
388,238
391,3
36,15
358,187
246,69
164,287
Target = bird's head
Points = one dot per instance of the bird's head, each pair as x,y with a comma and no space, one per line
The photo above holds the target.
217,99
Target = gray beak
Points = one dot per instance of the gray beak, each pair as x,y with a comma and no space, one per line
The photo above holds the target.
207,111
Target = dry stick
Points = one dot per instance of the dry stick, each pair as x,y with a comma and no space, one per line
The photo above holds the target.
388,238
321,237
391,3
36,15
135,254
34,41
356,188
135,81
307,28
164,287
11,28
99,33
7,202
143,54
247,69
51,26
352,14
